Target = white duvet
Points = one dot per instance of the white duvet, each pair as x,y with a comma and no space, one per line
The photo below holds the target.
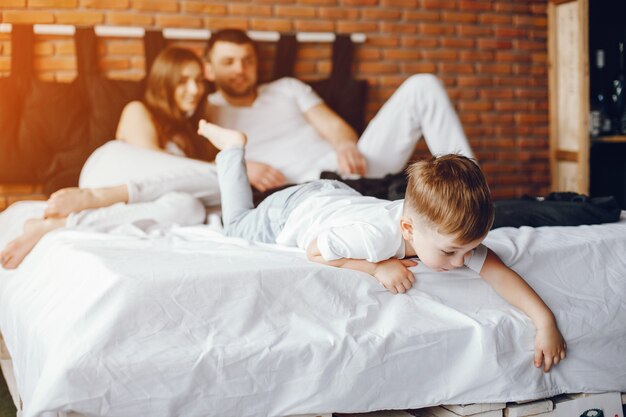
186,322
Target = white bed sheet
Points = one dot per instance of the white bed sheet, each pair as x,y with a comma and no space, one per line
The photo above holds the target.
186,322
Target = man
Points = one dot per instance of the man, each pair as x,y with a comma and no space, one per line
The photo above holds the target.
293,135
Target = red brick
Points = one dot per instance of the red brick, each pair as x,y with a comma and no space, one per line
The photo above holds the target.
43,49
419,68
399,3
389,27
333,13
401,54
421,15
458,43
351,27
204,8
105,4
520,7
155,5
179,21
249,10
280,25
294,11
378,67
80,18
314,26
366,54
496,94
380,14
382,40
475,106
216,23
530,45
474,81
440,55
310,52
440,4
476,5
125,47
115,64
458,17
27,16
12,3
525,118
436,29
48,4
494,44
128,19
420,42
473,31
495,18
512,56
509,32
54,63
494,68
476,55
321,2
455,68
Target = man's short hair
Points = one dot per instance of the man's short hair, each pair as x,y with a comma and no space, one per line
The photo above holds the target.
228,35
450,193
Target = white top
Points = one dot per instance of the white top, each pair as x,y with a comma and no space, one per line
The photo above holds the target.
349,225
278,133
346,225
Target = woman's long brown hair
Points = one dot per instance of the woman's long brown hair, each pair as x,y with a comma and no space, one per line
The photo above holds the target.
170,122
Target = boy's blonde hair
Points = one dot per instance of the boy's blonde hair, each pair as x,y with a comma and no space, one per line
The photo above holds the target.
450,193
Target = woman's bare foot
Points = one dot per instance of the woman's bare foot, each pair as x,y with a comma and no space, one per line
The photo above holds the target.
34,229
221,137
69,200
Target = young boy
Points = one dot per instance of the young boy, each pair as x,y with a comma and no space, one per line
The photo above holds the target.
445,216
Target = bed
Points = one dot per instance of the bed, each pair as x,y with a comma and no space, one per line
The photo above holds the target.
187,322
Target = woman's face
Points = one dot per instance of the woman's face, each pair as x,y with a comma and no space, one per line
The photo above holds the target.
190,88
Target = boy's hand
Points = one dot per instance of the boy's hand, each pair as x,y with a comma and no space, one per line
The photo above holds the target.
395,275
550,347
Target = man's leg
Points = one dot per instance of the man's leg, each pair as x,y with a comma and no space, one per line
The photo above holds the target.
419,106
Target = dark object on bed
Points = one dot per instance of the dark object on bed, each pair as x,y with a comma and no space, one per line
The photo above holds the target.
556,209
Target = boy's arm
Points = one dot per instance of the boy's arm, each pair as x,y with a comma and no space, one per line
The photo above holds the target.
393,273
549,343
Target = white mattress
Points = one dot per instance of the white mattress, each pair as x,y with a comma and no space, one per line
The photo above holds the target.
186,322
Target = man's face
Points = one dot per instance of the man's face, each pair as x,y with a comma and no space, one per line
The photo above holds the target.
233,69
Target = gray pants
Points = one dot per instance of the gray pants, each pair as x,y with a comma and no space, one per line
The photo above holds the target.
264,223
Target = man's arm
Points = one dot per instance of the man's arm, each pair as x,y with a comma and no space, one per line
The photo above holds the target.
549,343
393,273
340,135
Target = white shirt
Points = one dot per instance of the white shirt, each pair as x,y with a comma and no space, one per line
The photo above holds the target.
346,225
278,133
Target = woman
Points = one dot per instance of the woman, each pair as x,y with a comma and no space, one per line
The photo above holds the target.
155,135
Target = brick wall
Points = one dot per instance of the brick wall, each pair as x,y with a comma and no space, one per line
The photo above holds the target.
491,56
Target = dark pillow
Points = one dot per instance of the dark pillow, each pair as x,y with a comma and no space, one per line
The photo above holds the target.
54,127
107,99
346,97
13,166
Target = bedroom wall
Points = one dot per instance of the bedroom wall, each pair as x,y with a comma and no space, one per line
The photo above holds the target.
490,54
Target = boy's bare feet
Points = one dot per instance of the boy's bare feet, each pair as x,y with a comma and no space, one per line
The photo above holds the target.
34,229
221,137
69,200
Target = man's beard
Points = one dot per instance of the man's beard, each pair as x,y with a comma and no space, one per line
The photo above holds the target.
232,92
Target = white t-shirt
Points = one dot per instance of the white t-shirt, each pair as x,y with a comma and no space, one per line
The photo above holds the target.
349,225
278,133
346,225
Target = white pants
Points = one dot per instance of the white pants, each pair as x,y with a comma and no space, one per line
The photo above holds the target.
420,106
162,188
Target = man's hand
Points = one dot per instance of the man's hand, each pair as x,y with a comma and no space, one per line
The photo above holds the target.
549,347
264,177
394,274
350,160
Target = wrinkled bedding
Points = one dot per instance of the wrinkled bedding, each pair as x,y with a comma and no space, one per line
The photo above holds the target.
187,322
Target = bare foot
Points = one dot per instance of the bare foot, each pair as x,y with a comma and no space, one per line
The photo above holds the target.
34,229
69,200
221,137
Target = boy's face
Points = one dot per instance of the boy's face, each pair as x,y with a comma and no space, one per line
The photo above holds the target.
439,252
